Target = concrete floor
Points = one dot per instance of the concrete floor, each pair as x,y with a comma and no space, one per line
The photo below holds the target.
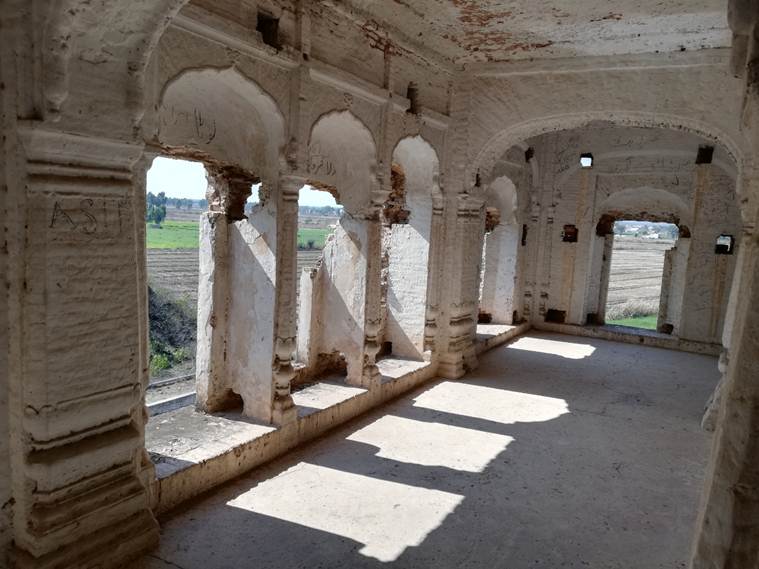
558,451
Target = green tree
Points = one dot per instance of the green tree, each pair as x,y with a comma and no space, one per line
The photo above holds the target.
156,208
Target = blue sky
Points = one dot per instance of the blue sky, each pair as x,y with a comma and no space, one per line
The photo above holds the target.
184,179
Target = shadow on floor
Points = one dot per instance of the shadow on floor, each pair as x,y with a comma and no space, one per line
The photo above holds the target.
557,452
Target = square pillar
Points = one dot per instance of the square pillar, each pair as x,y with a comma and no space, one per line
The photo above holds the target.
726,529
370,377
434,284
79,368
458,356
213,393
237,298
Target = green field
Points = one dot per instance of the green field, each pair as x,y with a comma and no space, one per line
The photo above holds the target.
318,236
645,322
184,235
173,235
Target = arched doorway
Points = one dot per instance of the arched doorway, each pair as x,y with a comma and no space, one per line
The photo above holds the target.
336,314
500,251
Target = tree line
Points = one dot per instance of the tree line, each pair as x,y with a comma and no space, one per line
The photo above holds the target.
156,205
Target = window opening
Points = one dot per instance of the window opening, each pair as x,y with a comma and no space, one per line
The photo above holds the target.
705,154
268,27
635,278
412,94
175,200
725,244
318,217
569,234
556,316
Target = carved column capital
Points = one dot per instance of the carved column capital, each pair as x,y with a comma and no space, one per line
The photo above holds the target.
291,185
229,187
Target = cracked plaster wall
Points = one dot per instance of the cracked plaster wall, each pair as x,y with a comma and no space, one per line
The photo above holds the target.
90,82
408,250
636,172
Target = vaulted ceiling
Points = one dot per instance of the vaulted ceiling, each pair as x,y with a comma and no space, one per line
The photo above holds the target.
498,30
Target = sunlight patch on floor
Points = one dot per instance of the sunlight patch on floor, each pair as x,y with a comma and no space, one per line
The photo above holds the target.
491,404
571,350
387,517
431,444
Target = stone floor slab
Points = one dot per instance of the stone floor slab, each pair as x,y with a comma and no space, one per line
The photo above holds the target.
583,453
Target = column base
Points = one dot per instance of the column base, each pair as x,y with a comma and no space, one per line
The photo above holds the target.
371,378
457,364
119,546
284,411
222,401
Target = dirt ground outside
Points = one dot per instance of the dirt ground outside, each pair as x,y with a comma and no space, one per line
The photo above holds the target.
635,278
634,285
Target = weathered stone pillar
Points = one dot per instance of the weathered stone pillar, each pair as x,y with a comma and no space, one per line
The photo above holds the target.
666,286
213,390
284,410
213,289
79,365
603,292
434,284
462,282
237,301
728,535
673,286
373,308
711,414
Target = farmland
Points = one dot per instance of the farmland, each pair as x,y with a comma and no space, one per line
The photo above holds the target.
175,234
172,267
635,281
634,287
312,238
176,270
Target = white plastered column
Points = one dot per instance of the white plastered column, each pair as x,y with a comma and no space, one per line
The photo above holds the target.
79,374
237,299
434,284
727,535
457,354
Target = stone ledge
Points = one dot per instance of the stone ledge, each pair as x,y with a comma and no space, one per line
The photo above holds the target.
490,336
194,452
628,336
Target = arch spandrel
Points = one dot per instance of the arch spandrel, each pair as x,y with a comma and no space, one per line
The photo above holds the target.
342,158
199,112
